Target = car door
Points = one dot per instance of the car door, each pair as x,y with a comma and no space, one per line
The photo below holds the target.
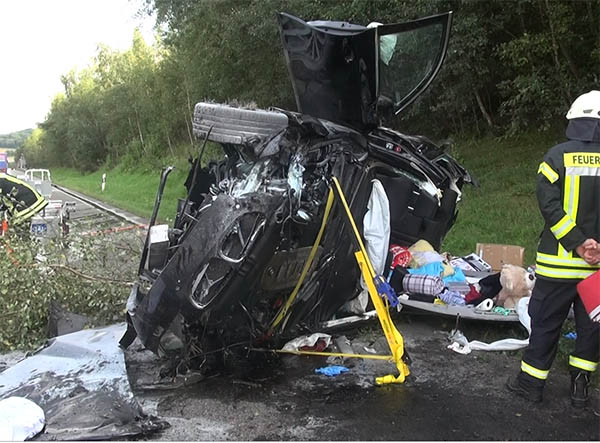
356,74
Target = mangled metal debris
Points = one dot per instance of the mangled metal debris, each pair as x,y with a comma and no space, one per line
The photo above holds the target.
80,381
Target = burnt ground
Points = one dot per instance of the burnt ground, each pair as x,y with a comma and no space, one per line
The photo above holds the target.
448,396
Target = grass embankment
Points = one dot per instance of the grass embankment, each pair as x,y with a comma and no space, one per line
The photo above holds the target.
133,191
503,209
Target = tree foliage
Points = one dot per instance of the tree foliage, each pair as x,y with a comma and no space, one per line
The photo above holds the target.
86,275
511,65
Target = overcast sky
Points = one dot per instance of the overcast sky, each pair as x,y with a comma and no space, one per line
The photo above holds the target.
42,39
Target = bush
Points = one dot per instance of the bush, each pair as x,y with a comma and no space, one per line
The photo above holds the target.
84,275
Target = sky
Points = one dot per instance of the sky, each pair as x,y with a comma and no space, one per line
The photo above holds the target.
40,40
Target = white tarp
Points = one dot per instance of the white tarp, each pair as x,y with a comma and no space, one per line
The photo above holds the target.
461,345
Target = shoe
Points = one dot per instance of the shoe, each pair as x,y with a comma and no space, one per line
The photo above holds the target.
532,394
580,380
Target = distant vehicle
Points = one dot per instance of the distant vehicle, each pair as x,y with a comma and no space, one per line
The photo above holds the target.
3,162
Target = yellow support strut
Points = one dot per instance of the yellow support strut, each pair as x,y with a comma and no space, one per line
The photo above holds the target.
394,338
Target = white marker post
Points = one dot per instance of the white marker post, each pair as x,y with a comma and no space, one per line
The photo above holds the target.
103,181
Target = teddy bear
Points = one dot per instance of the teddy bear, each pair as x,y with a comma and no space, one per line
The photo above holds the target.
516,283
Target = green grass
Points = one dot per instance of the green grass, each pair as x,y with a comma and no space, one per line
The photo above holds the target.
133,191
503,209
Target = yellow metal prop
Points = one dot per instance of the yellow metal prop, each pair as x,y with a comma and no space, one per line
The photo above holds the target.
394,338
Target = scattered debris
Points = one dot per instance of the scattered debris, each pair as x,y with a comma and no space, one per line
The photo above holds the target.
80,382
316,342
462,345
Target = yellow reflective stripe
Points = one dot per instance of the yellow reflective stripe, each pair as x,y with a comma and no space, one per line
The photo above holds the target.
571,199
28,212
562,252
574,208
563,227
548,172
580,363
534,372
563,273
567,199
562,261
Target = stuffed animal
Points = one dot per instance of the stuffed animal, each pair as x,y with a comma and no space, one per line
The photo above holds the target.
516,283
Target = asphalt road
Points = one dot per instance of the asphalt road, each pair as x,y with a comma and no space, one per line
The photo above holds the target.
89,213
447,396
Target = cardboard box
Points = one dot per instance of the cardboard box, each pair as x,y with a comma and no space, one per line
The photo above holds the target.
497,255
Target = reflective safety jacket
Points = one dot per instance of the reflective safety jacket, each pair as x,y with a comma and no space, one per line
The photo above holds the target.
19,199
568,193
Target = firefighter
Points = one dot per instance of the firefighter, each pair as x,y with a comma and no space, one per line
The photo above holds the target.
568,193
18,199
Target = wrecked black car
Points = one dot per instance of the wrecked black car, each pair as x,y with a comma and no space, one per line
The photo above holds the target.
258,252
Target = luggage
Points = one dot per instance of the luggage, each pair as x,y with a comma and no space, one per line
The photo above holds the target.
589,291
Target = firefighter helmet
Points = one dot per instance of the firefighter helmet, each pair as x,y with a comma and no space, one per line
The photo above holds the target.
586,105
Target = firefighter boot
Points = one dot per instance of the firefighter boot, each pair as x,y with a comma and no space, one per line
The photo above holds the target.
528,391
580,380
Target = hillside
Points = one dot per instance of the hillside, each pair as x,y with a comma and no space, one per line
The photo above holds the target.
14,139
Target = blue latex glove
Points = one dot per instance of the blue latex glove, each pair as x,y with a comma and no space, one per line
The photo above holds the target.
331,371
385,289
571,335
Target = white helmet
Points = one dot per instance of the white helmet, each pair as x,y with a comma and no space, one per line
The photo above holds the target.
586,105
